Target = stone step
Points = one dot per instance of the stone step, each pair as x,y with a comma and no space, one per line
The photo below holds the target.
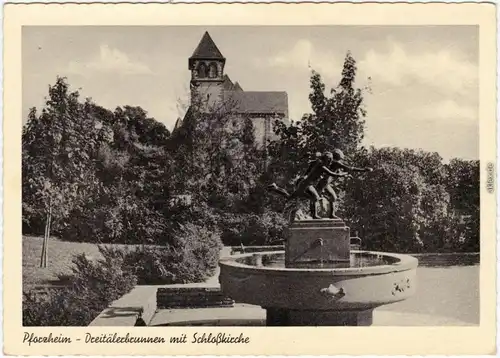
200,297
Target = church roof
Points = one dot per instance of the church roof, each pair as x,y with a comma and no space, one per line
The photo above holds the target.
206,50
237,87
228,85
258,102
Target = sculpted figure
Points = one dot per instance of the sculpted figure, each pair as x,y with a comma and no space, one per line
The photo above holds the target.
317,181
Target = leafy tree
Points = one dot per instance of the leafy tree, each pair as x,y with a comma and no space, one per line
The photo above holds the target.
385,207
214,154
336,121
463,186
432,224
134,124
429,164
133,170
58,150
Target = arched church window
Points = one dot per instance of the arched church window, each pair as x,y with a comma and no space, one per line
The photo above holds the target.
212,70
202,70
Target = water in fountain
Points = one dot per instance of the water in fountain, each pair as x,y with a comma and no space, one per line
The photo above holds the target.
357,260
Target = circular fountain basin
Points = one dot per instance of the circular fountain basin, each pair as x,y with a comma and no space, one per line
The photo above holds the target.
369,280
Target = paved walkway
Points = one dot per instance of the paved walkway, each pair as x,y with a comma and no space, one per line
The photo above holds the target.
249,315
125,310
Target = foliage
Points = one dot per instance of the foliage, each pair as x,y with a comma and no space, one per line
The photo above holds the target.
197,213
99,172
192,257
463,180
411,202
412,210
337,121
118,217
463,186
215,157
387,217
114,176
90,289
59,146
253,229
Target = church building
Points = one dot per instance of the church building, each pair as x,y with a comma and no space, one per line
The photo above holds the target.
210,85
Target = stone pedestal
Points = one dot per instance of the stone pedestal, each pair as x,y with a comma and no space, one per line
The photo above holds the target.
310,242
287,317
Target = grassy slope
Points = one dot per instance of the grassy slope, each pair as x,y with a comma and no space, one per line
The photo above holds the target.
60,255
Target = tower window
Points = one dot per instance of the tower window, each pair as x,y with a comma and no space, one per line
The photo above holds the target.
202,70
212,70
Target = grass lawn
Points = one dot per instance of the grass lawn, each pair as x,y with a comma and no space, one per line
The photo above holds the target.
60,254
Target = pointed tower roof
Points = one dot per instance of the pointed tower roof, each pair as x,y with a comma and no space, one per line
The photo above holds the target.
206,50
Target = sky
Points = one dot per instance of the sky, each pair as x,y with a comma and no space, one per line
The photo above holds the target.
423,79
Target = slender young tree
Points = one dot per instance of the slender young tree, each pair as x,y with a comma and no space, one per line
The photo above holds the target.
58,151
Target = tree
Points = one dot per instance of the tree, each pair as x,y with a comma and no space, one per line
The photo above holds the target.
133,168
463,186
434,223
58,150
214,154
385,207
336,121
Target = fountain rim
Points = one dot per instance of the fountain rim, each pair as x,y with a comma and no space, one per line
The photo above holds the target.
405,262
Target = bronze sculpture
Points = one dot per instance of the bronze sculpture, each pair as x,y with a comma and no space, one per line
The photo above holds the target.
317,181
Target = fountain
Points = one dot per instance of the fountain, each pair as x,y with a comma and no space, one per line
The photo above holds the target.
319,279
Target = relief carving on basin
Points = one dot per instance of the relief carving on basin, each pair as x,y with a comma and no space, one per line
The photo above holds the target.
245,279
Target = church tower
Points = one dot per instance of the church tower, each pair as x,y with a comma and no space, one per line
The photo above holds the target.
207,73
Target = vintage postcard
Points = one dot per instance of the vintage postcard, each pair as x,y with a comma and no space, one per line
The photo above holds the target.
250,179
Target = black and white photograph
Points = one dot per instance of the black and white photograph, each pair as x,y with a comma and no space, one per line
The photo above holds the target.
250,176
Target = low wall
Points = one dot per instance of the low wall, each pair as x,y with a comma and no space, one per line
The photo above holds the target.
191,297
447,259
140,302
143,302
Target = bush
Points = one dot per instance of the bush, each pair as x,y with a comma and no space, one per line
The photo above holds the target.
90,289
198,213
252,229
122,218
192,257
